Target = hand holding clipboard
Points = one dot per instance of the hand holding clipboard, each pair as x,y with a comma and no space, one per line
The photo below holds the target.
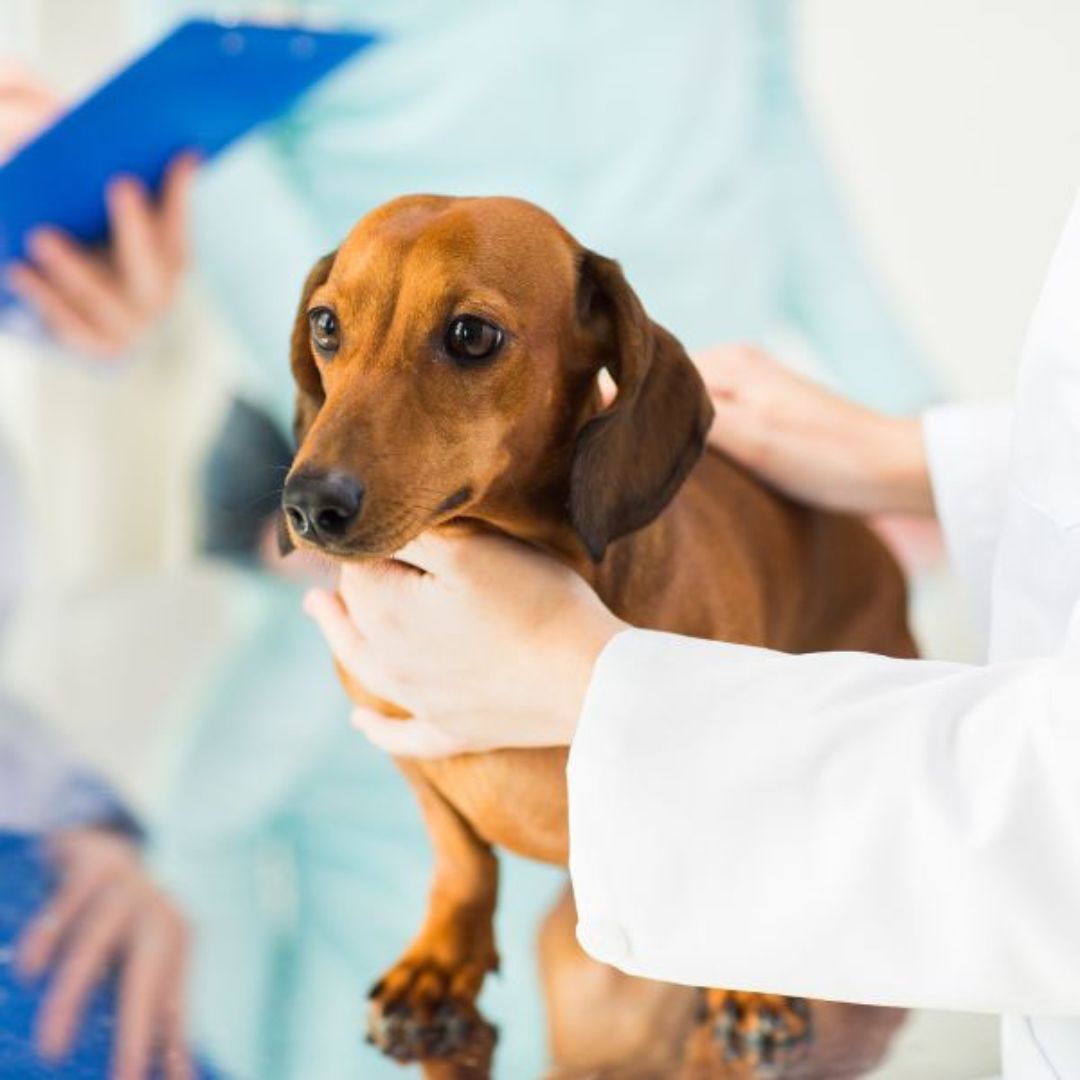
199,89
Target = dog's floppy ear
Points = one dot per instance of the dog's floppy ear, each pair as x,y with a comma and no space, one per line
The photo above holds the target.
631,458
309,388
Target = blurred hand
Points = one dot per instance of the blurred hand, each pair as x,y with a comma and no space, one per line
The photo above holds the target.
485,641
813,444
26,106
106,911
100,302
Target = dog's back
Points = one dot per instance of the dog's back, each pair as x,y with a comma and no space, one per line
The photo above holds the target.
734,561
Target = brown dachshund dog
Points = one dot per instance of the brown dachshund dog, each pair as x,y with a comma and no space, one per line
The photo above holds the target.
447,358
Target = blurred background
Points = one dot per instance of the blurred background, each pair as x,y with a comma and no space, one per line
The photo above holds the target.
924,156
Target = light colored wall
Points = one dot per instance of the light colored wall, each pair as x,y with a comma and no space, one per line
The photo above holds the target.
954,128
71,42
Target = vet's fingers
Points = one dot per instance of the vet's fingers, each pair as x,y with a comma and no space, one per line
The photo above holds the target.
67,324
26,105
175,1055
174,207
85,283
434,553
18,112
137,247
21,118
454,555
13,75
345,641
737,431
328,611
16,79
405,738
731,368
142,983
373,591
89,952
608,389
150,983
41,939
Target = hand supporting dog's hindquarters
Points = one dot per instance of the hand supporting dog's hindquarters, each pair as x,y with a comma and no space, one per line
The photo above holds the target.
428,631
105,911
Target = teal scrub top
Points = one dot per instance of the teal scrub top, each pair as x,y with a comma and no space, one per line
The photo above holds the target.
668,136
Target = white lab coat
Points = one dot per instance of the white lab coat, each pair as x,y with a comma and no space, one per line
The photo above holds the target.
850,827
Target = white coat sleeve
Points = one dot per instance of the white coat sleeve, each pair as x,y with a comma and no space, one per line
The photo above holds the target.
968,450
837,826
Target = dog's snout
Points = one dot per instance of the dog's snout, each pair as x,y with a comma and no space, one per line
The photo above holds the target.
322,506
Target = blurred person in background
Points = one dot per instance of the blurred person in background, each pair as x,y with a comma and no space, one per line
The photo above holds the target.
76,898
673,138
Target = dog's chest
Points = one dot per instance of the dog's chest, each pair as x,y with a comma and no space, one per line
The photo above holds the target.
515,799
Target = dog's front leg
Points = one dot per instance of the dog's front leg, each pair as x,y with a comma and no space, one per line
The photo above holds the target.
423,1009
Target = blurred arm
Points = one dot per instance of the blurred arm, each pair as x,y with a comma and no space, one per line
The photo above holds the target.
42,789
98,302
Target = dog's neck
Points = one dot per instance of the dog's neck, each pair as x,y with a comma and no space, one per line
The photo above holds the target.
534,506
539,517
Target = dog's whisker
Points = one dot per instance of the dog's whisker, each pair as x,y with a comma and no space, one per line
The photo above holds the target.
266,496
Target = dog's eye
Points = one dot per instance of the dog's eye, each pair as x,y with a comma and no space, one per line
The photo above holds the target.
324,330
470,339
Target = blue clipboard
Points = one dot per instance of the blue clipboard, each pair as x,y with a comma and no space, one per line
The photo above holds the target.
200,88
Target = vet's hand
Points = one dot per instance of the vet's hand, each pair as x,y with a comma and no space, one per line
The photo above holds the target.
26,106
107,911
103,302
100,302
486,642
813,444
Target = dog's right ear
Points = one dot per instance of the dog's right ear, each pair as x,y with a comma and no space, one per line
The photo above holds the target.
309,388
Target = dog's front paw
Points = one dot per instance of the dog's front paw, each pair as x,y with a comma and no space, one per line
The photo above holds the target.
754,1035
422,1011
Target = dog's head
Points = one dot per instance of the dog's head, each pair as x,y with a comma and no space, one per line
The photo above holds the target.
446,358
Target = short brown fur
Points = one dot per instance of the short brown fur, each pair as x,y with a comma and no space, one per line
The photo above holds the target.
672,538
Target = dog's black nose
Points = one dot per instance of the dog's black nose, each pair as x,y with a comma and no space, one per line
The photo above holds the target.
322,506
